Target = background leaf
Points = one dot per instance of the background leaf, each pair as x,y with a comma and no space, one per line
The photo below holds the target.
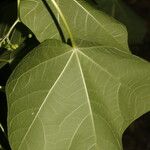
6,20
135,24
16,37
34,14
75,98
84,22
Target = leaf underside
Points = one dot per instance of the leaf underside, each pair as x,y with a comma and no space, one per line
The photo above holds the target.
64,98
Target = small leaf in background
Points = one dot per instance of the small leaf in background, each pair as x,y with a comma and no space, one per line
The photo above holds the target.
83,21
36,17
118,9
6,20
75,98
16,38
4,58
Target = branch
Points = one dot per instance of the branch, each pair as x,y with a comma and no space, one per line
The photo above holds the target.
6,38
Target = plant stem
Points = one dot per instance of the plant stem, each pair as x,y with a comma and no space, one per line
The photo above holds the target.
18,11
9,32
64,21
18,3
4,60
1,127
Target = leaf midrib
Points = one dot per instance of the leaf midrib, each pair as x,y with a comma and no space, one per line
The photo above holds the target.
45,100
74,51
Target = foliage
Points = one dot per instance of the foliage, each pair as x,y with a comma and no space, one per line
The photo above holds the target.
119,10
9,41
81,87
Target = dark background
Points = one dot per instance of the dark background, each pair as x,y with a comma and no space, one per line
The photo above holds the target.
137,136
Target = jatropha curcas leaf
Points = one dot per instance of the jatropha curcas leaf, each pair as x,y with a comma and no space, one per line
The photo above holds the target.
119,10
83,21
64,98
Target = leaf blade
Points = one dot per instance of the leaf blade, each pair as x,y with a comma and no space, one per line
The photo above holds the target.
96,26
124,14
85,105
34,15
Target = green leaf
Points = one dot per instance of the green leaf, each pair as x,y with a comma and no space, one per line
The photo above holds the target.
65,98
34,14
6,20
5,58
82,20
119,10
